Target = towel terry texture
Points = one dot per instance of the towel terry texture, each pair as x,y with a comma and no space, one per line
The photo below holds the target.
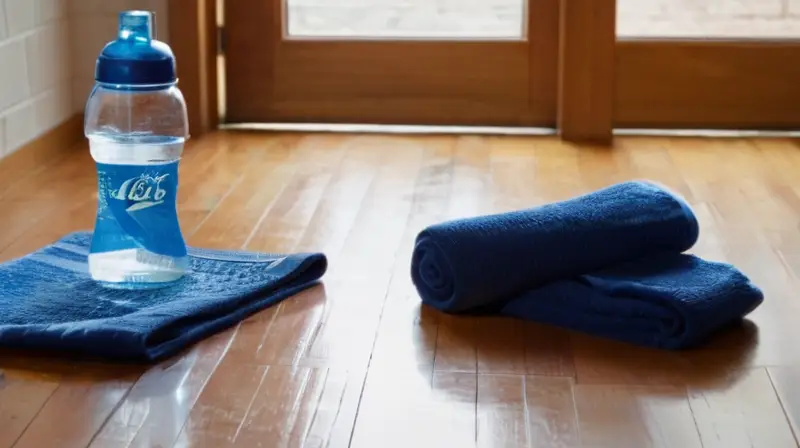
610,263
48,300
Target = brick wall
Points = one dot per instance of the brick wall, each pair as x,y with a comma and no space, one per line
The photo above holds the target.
47,54
35,78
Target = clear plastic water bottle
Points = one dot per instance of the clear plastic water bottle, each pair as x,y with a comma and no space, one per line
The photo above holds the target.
136,124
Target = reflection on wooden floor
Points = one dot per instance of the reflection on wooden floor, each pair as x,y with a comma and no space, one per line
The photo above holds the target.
357,362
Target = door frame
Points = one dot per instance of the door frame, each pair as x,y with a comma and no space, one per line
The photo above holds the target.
603,82
193,37
508,81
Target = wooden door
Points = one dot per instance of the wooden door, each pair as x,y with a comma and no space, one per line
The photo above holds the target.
429,62
584,66
710,64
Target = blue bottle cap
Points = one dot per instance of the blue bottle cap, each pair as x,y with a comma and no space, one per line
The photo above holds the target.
135,58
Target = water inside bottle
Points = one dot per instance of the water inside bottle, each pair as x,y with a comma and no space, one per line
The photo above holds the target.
133,266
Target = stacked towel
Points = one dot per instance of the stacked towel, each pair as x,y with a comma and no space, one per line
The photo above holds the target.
609,263
48,300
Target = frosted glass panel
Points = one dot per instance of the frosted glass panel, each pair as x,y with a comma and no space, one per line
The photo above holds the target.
708,18
407,18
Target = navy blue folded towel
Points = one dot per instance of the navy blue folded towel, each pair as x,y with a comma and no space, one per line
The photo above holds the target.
49,302
609,263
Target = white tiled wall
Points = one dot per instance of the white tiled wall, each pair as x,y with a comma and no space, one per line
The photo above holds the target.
35,70
93,24
47,54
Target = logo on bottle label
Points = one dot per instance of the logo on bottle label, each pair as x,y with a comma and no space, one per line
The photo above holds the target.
144,190
137,209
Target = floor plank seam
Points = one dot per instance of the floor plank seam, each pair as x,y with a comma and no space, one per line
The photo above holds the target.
28,425
783,407
112,412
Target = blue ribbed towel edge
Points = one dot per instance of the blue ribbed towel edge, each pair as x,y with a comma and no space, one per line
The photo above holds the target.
49,302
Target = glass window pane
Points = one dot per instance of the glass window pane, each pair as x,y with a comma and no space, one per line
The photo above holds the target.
407,18
708,18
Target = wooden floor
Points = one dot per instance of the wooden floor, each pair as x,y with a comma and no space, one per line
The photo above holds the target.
359,363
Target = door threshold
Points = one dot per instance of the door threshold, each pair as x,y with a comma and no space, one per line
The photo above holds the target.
709,133
388,129
497,130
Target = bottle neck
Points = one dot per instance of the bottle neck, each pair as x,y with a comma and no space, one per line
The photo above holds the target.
136,26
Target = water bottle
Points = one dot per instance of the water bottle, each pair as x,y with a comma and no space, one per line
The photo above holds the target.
136,124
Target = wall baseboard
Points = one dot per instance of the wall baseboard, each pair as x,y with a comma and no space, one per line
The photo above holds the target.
41,152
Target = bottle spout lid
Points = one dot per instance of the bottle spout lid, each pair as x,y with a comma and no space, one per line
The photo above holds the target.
136,25
135,57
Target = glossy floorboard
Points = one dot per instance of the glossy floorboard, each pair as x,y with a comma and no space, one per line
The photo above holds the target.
357,362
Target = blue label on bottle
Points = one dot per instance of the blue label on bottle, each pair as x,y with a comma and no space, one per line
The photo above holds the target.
137,209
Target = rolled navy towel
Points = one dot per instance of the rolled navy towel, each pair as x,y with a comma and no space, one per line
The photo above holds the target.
669,301
608,263
466,264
